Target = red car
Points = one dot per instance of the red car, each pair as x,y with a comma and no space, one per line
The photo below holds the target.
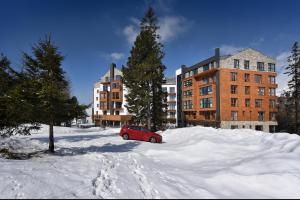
139,133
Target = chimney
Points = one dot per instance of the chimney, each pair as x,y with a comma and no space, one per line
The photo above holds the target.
112,71
217,52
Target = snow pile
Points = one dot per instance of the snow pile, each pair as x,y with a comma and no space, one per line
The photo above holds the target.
194,162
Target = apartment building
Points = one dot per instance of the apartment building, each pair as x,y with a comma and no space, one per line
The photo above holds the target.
109,100
228,91
169,86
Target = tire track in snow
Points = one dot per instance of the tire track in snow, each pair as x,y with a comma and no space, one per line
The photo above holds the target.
145,186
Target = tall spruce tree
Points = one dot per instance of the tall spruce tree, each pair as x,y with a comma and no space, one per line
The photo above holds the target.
144,75
48,85
293,70
15,106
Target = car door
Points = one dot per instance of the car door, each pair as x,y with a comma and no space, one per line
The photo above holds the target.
134,133
145,133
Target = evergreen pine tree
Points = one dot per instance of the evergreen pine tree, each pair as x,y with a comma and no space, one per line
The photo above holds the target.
15,107
48,85
293,70
144,76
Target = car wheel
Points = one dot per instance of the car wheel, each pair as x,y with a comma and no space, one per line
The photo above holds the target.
125,137
152,140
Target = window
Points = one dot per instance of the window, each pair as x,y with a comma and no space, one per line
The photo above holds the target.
206,67
205,90
118,105
187,93
96,112
102,95
172,106
195,71
172,97
261,116
236,63
188,104
233,89
172,114
105,88
212,65
272,80
261,91
206,103
258,103
97,105
97,91
260,66
234,115
234,127
233,76
188,83
106,79
258,78
246,64
96,98
234,102
272,129
103,105
205,80
164,89
207,115
272,91
272,103
172,89
247,90
247,102
116,95
247,77
272,116
115,85
271,67
118,77
259,128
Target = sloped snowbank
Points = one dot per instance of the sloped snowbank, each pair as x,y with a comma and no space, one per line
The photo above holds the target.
195,162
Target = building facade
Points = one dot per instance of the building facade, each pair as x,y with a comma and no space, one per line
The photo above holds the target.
230,91
109,100
169,86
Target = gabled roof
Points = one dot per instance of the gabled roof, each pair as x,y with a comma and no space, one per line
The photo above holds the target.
245,49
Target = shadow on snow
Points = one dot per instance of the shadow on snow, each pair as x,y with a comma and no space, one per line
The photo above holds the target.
74,138
107,148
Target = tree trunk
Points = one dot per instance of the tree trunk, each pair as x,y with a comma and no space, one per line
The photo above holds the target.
51,138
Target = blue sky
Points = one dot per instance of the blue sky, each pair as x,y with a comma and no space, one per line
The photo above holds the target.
92,34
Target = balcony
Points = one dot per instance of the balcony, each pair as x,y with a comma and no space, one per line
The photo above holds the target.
112,117
206,72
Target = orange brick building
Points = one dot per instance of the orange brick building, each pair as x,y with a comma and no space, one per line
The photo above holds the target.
230,91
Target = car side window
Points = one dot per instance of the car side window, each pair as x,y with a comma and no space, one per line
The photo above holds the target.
145,130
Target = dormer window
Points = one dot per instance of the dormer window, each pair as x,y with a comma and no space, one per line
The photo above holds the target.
260,66
271,67
236,63
246,64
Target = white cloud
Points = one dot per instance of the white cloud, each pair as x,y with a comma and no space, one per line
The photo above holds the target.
229,49
113,57
169,28
130,32
116,56
172,26
282,79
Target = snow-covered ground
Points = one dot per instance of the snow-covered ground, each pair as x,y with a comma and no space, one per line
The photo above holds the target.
192,162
